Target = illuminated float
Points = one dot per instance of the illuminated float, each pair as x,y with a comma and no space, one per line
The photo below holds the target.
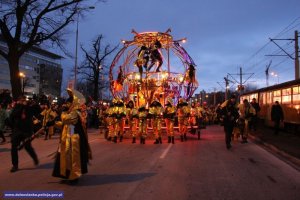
152,66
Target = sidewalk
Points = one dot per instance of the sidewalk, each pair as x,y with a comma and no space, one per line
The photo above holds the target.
285,145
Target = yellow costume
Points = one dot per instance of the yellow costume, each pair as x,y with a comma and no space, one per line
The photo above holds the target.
143,113
74,151
156,111
132,116
183,112
119,113
48,121
109,120
169,116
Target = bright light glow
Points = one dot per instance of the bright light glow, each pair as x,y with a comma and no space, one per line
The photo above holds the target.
21,74
137,76
183,40
180,78
164,75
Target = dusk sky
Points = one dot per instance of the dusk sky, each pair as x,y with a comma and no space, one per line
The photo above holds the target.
221,35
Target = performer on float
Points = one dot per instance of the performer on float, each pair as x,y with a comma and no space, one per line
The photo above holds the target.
119,114
155,113
110,120
156,56
183,112
190,77
142,59
74,151
118,84
132,116
142,113
193,117
169,116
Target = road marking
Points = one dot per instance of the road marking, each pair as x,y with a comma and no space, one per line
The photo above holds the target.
163,155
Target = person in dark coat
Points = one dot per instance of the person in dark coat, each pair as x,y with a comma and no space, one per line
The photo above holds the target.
229,116
276,116
253,122
22,128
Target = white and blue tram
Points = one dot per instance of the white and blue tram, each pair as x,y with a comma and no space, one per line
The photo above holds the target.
287,94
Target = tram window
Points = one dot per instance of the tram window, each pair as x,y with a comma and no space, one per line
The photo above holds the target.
286,96
277,96
277,99
262,98
296,94
296,90
296,98
255,95
277,93
269,98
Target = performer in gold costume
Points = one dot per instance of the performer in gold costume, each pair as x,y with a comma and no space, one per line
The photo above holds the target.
74,151
169,116
183,112
193,118
119,113
49,115
155,112
132,116
109,121
143,113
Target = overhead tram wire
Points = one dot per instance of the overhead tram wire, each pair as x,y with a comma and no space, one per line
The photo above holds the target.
261,74
258,65
285,30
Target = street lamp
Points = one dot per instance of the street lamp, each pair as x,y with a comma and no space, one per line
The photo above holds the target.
22,76
275,75
76,47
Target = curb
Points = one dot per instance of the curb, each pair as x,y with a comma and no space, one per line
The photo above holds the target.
289,159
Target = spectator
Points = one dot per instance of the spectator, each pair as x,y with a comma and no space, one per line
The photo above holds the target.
276,116
253,122
3,117
229,116
21,121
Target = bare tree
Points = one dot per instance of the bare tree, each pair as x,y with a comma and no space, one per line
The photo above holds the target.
94,67
26,23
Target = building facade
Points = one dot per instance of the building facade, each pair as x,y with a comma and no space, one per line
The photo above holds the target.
41,69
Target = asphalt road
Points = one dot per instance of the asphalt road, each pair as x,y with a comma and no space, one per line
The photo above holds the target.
196,169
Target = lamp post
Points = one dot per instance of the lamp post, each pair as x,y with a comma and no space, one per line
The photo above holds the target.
76,48
22,76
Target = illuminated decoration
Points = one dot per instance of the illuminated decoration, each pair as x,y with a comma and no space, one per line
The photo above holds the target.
153,65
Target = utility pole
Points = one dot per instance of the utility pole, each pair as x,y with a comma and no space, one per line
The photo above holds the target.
296,58
226,86
297,71
241,83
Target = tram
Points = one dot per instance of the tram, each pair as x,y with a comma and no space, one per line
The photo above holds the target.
288,96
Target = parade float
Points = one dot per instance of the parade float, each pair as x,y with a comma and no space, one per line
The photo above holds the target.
152,66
